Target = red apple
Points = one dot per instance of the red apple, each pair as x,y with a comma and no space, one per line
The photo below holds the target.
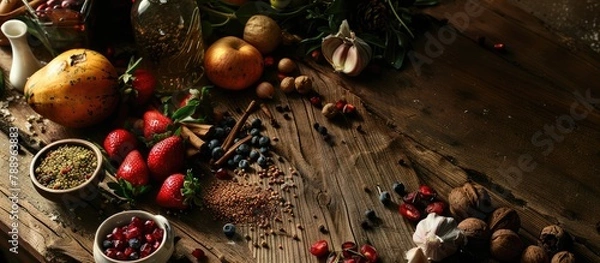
232,63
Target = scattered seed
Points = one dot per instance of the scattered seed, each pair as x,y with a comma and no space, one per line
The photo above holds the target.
264,244
323,229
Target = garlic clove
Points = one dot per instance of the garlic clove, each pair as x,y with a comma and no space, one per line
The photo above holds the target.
340,55
329,45
416,255
353,63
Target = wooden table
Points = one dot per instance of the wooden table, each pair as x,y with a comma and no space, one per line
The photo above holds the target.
524,123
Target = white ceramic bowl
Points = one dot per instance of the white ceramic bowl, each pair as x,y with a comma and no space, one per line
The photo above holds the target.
161,255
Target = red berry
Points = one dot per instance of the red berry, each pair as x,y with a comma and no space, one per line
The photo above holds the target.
348,249
149,238
410,198
158,234
339,105
370,253
198,253
410,212
499,47
437,207
269,61
316,55
316,101
128,251
120,244
149,226
348,108
111,252
222,174
320,248
132,232
145,250
427,192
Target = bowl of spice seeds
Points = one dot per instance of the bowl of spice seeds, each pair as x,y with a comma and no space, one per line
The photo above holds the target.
67,171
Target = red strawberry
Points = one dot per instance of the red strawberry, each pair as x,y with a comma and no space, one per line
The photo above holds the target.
177,191
144,84
134,169
139,84
155,123
118,143
166,157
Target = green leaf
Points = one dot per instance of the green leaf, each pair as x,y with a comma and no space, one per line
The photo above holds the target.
186,111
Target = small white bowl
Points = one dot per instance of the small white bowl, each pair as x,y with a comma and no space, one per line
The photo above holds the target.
160,255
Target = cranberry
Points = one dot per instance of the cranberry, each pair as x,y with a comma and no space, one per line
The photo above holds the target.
354,259
349,108
339,105
316,55
427,192
369,252
198,253
349,249
316,101
410,212
320,248
437,207
500,47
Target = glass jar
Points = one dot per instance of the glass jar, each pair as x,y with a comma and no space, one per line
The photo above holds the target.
168,35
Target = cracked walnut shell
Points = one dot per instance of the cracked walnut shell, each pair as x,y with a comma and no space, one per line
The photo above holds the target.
469,200
504,218
553,238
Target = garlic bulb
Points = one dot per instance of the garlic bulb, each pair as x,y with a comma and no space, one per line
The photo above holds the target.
438,237
346,52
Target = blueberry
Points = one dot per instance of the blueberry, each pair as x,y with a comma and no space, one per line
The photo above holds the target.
243,164
264,141
217,152
262,161
243,149
370,214
316,125
219,132
134,256
255,132
263,150
254,140
385,197
107,243
256,123
230,122
231,163
229,230
237,158
322,130
399,188
213,143
134,243
254,154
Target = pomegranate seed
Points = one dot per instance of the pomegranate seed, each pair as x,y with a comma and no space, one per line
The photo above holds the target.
222,174
339,105
370,253
145,250
410,198
132,232
136,221
427,192
320,248
128,251
198,253
437,207
149,226
316,101
410,212
348,249
158,234
348,108
111,252
500,47
149,238
120,244
316,55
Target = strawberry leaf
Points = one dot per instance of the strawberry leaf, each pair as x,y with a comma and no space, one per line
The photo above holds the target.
126,190
191,189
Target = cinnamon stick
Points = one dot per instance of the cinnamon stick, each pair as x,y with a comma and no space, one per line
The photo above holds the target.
238,126
198,128
231,151
190,136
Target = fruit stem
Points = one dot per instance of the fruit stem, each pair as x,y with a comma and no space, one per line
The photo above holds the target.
400,19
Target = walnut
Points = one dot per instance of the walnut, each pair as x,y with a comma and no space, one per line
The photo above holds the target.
563,257
534,254
504,218
477,233
469,200
506,245
553,238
